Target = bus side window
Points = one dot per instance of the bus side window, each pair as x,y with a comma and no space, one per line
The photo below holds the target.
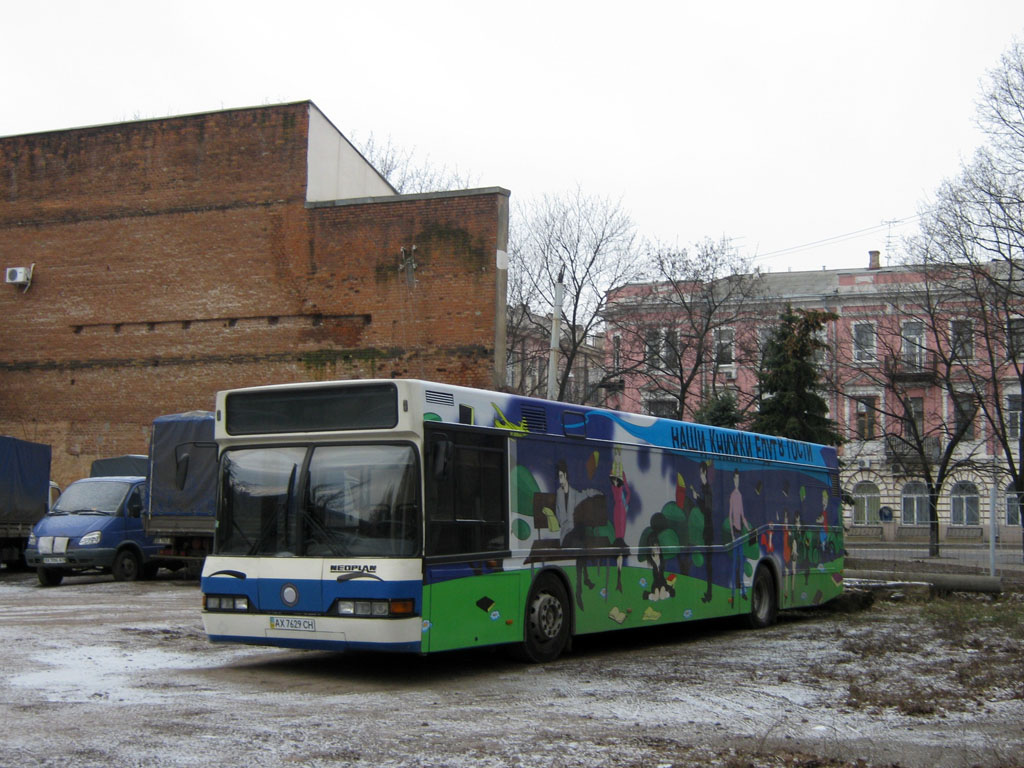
466,505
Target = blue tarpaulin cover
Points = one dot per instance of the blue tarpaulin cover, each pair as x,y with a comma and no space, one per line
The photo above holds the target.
129,465
174,436
24,480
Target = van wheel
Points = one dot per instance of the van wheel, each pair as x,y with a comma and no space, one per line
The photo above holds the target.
764,600
49,577
126,566
547,621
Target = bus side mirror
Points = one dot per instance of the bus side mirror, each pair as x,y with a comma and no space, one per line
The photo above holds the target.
442,455
181,470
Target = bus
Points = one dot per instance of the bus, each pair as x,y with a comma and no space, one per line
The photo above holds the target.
411,516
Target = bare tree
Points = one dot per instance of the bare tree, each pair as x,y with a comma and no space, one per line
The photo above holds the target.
904,377
408,173
592,244
696,313
972,241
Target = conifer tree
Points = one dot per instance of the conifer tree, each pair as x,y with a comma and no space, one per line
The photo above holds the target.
789,380
719,410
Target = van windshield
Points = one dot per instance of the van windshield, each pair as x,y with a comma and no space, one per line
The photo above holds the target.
91,499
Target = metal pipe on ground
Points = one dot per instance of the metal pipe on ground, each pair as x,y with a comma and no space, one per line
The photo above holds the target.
941,582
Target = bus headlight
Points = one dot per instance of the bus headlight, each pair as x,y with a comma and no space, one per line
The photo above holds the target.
225,602
93,537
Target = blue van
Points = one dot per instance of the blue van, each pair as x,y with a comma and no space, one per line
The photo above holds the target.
95,526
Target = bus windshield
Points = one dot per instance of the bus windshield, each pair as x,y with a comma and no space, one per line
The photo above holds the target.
323,501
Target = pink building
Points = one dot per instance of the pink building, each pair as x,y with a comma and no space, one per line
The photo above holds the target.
900,374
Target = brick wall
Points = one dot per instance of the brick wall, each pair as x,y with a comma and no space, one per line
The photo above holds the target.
178,257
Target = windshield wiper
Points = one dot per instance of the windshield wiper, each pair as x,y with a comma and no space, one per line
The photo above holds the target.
270,526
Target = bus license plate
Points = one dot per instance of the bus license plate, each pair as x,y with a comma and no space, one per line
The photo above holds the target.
54,560
301,624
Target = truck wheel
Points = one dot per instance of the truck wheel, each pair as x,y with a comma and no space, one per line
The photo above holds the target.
547,621
49,577
126,566
764,600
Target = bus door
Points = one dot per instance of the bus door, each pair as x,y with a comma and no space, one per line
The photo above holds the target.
469,597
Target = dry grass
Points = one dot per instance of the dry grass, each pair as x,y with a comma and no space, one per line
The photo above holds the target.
949,654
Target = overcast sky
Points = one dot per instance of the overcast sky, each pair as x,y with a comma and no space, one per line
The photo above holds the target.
776,124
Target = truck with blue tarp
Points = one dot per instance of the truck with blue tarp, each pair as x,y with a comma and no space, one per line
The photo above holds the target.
183,487
135,513
24,494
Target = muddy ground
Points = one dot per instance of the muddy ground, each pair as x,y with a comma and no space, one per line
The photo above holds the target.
98,673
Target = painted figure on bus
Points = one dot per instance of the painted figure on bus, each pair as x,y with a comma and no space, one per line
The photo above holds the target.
705,503
823,520
737,521
790,550
660,587
571,533
620,505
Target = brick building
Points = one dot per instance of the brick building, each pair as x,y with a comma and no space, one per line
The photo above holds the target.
172,258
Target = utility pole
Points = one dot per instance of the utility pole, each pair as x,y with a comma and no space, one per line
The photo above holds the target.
556,319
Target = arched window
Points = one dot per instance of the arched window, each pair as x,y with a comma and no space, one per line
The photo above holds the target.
963,500
915,504
865,504
1012,506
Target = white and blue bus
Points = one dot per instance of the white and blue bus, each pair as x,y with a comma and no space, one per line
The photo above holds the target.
410,516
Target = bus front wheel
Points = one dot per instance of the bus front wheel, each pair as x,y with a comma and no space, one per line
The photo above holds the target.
764,600
547,620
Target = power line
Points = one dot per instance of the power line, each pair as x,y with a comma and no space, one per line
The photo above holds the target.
885,225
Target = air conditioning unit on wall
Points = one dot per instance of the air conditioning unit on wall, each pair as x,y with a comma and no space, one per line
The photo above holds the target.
17,275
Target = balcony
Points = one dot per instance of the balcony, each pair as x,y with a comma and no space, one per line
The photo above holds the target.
900,453
919,368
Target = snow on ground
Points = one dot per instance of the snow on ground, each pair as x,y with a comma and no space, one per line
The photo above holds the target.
99,673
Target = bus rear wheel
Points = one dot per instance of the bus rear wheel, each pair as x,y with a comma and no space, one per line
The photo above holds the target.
764,600
547,621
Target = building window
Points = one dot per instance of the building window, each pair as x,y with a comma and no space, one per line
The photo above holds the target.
616,353
867,407
821,347
670,349
724,338
652,348
912,345
665,408
866,503
863,342
965,409
915,504
1012,506
964,504
1013,416
961,336
1015,338
661,349
915,415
